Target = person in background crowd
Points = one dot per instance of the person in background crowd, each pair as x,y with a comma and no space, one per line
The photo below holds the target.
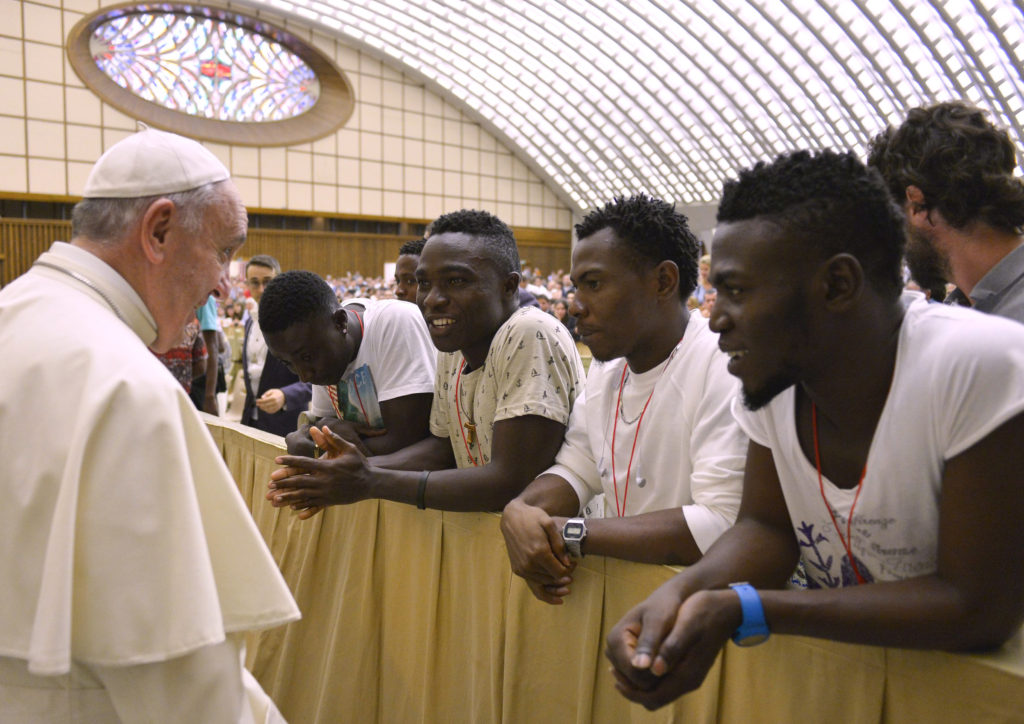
274,395
952,172
405,270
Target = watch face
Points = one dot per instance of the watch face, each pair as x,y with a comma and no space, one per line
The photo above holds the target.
574,530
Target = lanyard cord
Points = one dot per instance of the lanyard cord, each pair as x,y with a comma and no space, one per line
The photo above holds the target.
458,412
335,391
615,415
615,483
821,486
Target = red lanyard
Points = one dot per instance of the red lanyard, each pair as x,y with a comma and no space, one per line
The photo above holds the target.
821,487
620,510
458,412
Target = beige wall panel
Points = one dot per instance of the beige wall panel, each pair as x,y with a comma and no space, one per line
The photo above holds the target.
406,153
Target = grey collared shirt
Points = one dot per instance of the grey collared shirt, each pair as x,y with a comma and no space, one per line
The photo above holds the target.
1001,290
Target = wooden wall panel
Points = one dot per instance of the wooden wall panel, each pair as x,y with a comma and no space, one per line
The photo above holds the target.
22,240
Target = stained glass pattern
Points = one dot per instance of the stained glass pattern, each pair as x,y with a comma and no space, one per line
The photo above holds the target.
204,67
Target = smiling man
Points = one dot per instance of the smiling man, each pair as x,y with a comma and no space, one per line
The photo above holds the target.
122,533
506,382
652,437
885,443
371,362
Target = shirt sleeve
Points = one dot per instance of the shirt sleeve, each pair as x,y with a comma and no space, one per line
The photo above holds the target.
439,406
575,460
541,369
718,449
404,356
984,389
207,314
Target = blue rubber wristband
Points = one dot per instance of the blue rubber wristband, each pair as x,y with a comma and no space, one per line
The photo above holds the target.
754,629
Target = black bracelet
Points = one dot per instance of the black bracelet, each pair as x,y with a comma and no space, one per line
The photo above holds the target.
421,491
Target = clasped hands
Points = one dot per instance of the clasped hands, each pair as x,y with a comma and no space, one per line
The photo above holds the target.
536,550
342,475
665,646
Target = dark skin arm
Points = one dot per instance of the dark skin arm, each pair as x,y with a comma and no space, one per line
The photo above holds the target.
975,600
406,420
210,393
430,453
522,448
532,525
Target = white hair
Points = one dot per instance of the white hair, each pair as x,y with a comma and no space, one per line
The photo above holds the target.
106,220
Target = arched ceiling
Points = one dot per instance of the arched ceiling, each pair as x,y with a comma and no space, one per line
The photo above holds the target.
603,97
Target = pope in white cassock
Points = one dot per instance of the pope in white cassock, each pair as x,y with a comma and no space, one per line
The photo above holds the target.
129,565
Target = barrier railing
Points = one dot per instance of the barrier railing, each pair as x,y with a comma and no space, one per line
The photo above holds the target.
415,616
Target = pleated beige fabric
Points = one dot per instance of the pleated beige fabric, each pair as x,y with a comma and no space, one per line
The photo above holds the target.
415,616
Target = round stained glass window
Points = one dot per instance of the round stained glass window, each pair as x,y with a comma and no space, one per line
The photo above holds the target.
210,73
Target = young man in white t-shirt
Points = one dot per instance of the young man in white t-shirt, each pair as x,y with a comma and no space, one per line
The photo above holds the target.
652,456
885,443
505,385
329,345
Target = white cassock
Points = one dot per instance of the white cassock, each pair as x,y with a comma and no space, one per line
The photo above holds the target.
129,565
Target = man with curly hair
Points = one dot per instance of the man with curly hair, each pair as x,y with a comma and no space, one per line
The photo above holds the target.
652,456
506,382
370,362
884,443
952,172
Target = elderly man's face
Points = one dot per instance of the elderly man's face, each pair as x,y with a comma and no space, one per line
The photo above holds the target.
196,266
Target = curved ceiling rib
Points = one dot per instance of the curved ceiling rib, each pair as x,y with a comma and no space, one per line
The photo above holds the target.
607,97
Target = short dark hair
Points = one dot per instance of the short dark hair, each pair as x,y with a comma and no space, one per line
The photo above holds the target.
294,297
498,237
415,247
962,163
652,232
264,260
830,201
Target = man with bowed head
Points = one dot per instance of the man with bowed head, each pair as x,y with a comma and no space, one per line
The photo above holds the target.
130,566
884,447
651,440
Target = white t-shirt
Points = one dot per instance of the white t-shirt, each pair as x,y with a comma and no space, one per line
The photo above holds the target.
531,368
123,539
396,345
689,451
959,375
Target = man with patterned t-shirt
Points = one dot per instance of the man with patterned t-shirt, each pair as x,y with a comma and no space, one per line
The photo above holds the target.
506,381
885,443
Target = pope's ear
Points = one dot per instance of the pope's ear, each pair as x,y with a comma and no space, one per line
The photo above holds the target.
153,230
